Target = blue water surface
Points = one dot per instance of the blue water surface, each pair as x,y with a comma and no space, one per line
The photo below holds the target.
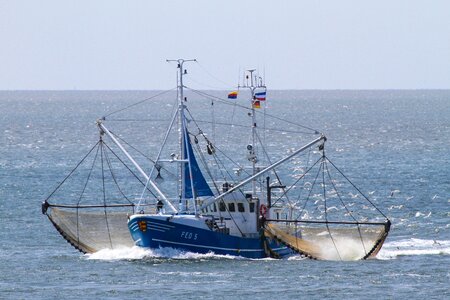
395,145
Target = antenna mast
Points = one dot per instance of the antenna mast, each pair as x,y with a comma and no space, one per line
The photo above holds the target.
182,126
252,85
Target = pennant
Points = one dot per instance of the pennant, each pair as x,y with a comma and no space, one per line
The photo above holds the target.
261,96
233,95
256,104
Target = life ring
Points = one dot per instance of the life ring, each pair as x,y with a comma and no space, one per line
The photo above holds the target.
263,210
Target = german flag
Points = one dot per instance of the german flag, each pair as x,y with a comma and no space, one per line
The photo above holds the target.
256,104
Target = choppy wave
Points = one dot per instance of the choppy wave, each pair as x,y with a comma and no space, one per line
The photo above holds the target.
409,247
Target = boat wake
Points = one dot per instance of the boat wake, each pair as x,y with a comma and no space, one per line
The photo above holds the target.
412,247
390,250
138,253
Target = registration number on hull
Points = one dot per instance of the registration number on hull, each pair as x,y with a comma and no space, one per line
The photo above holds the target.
188,235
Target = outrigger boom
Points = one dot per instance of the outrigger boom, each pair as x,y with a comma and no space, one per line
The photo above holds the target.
262,172
153,184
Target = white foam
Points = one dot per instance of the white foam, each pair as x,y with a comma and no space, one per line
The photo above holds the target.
137,253
121,253
390,250
407,247
424,215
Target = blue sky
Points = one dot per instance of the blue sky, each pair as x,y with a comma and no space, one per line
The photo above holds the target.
65,45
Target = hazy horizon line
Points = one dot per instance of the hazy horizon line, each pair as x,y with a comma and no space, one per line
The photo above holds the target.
218,90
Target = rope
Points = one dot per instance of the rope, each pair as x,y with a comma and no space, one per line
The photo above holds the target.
325,201
310,191
270,162
346,208
137,120
216,158
314,131
104,195
232,123
71,172
141,153
90,206
139,102
368,200
128,168
108,161
246,126
205,165
84,189
89,175
304,177
227,85
328,222
300,178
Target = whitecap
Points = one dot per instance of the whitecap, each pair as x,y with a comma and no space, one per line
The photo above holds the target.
410,247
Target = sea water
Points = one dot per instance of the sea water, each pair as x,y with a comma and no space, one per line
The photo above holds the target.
394,145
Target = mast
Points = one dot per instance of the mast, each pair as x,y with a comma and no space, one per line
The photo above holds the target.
183,136
252,148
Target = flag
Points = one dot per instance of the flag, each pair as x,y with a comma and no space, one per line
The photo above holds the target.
233,95
256,104
261,96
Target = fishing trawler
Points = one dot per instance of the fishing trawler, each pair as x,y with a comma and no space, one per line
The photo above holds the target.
213,203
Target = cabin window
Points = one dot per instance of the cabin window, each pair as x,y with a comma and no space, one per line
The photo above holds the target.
231,207
241,207
252,207
215,207
222,206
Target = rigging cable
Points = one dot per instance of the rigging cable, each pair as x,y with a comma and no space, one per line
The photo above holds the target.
227,85
270,162
314,131
205,165
108,161
131,171
232,122
325,204
174,117
84,189
346,208
357,189
213,125
310,191
71,172
104,194
141,153
246,126
307,166
139,102
300,178
215,158
217,149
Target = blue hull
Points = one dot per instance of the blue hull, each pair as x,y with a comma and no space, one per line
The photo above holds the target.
163,232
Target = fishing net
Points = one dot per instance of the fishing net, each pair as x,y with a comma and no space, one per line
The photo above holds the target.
97,202
92,230
323,215
330,241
